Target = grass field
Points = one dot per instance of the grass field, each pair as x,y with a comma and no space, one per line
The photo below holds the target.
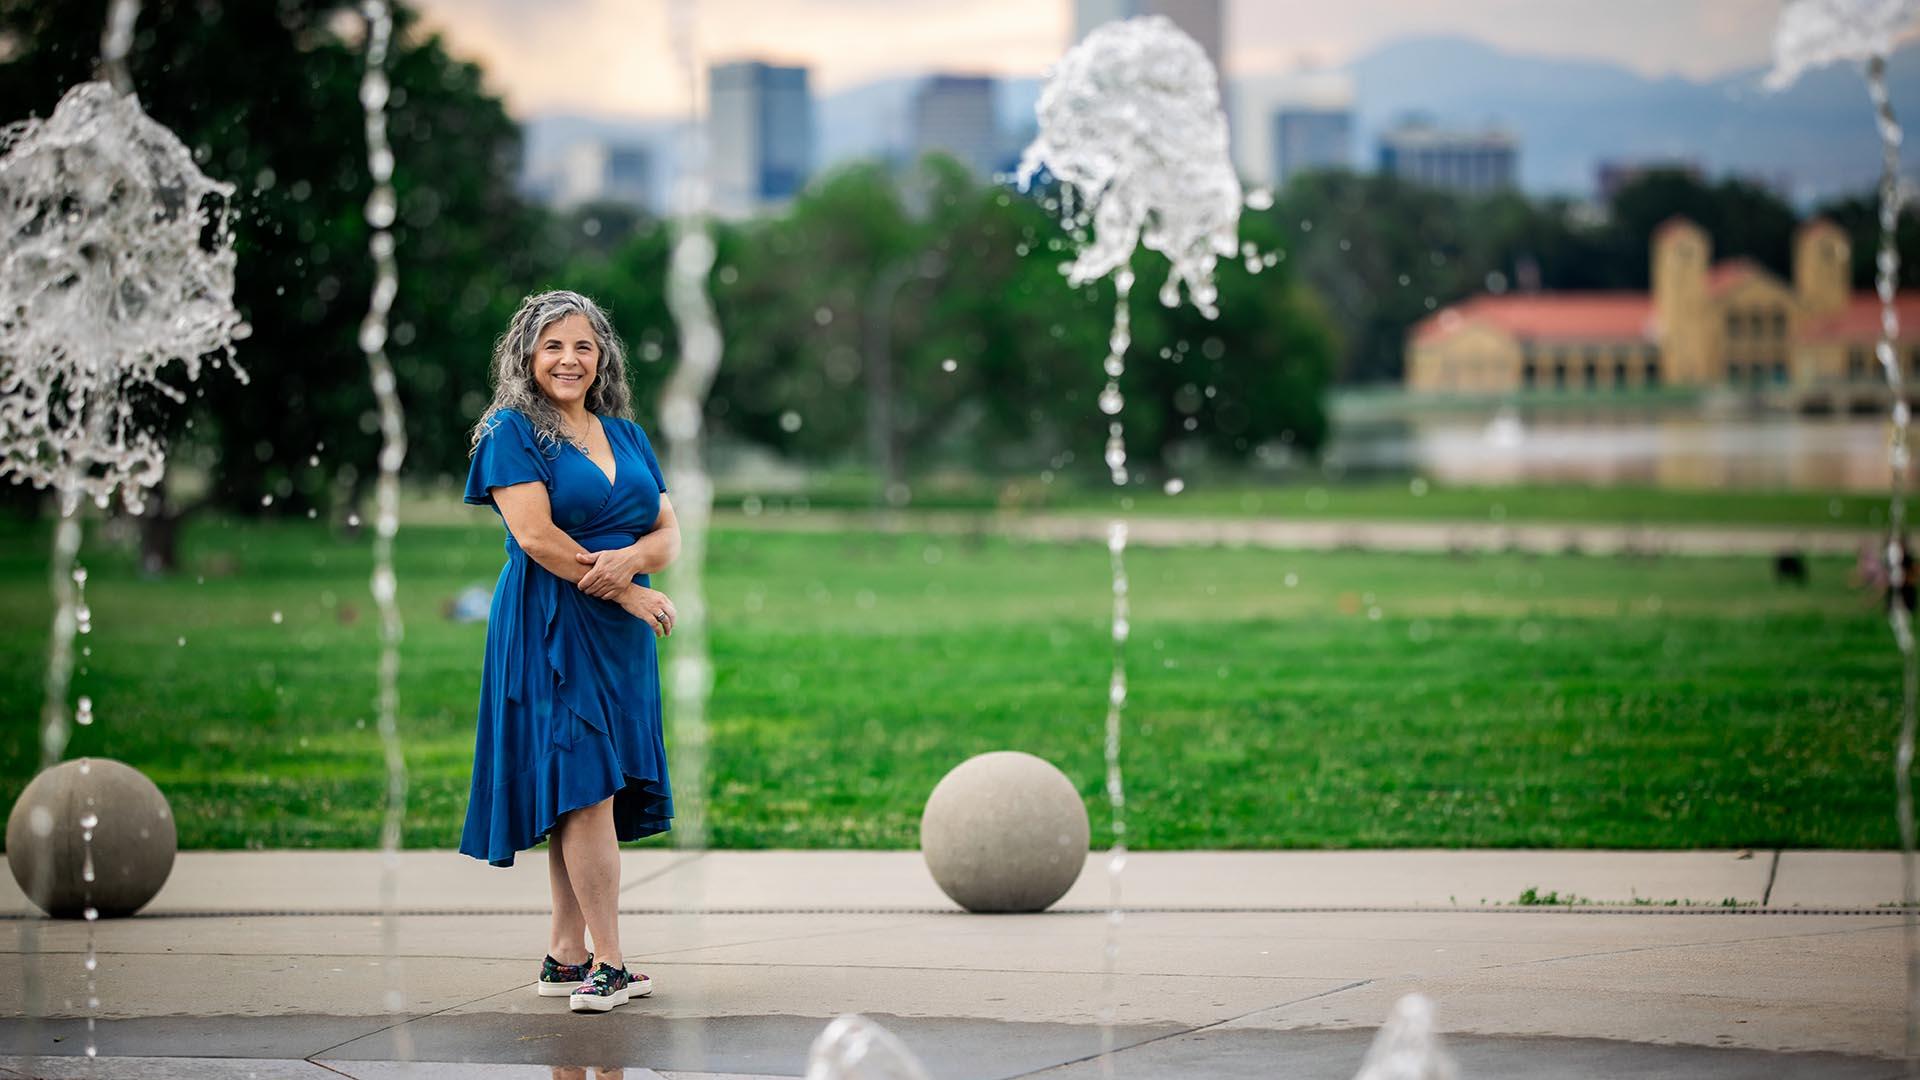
1277,699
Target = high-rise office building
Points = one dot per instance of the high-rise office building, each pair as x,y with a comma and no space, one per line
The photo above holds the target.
1476,163
1310,137
593,170
953,114
1200,19
760,127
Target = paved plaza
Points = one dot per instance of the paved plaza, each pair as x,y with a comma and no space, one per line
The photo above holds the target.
1257,964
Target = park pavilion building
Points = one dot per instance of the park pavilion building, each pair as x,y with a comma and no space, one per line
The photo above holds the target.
1729,324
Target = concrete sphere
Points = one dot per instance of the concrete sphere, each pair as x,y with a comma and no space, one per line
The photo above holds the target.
1004,831
133,839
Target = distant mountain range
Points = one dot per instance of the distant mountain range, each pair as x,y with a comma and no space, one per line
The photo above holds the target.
1811,141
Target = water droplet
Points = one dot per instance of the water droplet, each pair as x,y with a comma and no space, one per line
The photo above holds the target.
374,91
789,421
1175,486
1110,400
91,913
80,575
278,618
949,364
84,715
183,640
380,208
89,820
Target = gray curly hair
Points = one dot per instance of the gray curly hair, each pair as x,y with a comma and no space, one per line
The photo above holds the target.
513,385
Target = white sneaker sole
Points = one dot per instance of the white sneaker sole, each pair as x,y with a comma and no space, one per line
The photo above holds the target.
556,989
602,1003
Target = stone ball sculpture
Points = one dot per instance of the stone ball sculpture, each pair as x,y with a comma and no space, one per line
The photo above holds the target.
1004,832
132,846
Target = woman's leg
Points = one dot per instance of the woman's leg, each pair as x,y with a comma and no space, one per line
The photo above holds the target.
567,940
593,867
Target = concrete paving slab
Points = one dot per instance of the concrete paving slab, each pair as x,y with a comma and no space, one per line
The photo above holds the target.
981,1050
1824,991
1817,879
768,1044
204,881
1246,1054
474,1070
691,992
661,879
287,1037
1226,880
225,985
517,938
164,1068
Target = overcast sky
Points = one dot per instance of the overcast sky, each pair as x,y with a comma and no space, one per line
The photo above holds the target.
616,56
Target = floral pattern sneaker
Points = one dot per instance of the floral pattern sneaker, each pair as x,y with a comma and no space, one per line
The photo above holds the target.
607,986
558,979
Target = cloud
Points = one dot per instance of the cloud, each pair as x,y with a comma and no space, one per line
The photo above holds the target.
615,56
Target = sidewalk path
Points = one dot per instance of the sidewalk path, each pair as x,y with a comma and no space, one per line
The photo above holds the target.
270,964
1321,535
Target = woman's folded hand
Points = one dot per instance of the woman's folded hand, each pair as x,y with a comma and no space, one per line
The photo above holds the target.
609,571
650,606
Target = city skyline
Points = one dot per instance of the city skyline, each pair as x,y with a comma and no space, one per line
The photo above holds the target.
615,58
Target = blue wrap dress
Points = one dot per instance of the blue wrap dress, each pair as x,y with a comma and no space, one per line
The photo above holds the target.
570,690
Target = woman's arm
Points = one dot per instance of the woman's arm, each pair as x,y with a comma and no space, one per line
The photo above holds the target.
529,518
660,546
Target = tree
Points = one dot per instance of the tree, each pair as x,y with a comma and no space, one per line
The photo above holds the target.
1859,215
858,331
267,95
1744,220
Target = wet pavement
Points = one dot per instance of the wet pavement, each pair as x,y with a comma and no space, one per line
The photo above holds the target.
269,964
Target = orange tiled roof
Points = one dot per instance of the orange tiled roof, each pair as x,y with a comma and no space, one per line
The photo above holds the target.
1730,272
1859,321
1551,316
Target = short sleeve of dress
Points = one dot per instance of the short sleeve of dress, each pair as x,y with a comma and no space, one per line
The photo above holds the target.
653,463
506,454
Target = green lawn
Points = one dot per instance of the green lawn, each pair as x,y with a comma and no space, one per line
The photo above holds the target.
1277,699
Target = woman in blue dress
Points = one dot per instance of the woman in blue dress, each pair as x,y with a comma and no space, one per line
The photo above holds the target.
568,745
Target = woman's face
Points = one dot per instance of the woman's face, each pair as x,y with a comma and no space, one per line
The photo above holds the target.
565,358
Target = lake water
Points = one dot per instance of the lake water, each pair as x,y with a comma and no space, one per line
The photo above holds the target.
1643,449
